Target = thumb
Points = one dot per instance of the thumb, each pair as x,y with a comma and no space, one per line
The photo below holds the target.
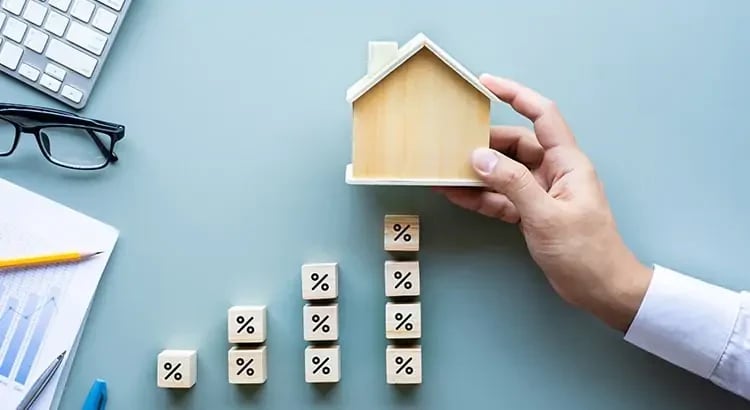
510,178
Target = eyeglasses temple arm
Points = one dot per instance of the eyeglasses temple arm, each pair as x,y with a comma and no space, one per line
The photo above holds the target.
101,146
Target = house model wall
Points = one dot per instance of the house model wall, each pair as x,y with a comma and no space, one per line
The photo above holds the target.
416,117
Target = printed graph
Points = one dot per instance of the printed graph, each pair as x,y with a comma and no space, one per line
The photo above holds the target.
27,309
24,324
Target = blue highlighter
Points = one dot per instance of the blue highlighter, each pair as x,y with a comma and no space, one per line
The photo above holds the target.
97,398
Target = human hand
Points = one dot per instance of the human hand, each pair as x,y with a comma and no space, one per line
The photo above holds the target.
542,181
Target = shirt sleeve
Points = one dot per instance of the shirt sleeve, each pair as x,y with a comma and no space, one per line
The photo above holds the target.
698,326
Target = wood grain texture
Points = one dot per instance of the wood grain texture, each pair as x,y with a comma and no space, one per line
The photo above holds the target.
401,279
421,121
403,364
401,233
247,365
403,320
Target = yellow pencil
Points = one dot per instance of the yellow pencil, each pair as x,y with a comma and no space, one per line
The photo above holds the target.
32,261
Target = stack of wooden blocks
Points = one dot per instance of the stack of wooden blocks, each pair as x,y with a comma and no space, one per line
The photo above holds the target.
321,322
247,360
403,321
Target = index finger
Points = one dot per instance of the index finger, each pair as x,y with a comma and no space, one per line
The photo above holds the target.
551,128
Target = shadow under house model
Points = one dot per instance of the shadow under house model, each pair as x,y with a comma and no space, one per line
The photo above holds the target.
417,116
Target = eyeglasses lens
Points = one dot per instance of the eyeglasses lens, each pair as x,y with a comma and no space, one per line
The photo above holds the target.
7,136
76,147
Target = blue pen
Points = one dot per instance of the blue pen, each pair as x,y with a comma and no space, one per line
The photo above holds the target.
97,398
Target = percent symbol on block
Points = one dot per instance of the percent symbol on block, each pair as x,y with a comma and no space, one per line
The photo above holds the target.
172,371
404,365
244,324
321,365
404,321
245,367
402,279
319,281
401,231
321,323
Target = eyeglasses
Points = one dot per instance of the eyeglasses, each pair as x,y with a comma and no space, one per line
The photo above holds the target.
65,139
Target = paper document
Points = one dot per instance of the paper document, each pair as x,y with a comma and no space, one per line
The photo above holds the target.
43,310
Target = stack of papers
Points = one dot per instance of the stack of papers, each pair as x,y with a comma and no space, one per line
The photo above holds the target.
43,310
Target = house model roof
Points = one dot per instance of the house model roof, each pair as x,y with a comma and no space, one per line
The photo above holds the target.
404,53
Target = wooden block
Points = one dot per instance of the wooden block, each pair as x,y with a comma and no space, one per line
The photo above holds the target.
403,320
403,364
246,324
401,233
323,364
401,278
321,323
320,281
177,369
248,365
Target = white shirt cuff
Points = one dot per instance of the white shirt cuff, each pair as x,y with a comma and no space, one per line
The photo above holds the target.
685,321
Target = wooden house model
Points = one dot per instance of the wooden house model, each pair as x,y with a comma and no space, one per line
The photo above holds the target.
417,116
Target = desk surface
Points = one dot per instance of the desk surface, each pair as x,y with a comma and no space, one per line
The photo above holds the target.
232,176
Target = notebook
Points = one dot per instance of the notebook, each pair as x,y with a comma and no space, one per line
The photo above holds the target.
43,310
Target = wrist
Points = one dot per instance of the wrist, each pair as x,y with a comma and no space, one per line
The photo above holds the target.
622,295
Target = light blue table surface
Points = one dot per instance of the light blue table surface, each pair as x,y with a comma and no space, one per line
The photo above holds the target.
232,176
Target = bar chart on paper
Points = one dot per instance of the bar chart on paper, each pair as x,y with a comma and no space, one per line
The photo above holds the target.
43,309
28,305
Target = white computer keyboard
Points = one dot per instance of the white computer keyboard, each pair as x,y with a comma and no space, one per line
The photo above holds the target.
58,46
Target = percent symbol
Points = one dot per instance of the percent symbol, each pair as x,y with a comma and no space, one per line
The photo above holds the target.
404,321
401,231
245,367
404,365
172,371
320,281
321,365
321,323
245,324
402,279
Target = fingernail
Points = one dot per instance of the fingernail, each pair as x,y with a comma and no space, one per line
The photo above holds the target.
486,77
484,160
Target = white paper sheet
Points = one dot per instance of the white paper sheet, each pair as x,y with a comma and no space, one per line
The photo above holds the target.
43,310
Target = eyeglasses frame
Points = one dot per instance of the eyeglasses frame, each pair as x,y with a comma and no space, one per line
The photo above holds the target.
52,118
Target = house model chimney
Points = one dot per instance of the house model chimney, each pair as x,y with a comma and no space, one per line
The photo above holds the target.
380,53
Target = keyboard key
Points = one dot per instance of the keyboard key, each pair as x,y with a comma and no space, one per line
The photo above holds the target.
14,6
50,83
104,20
10,55
55,71
35,13
72,58
28,71
15,29
36,40
115,4
71,93
82,10
61,5
56,23
2,18
86,38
